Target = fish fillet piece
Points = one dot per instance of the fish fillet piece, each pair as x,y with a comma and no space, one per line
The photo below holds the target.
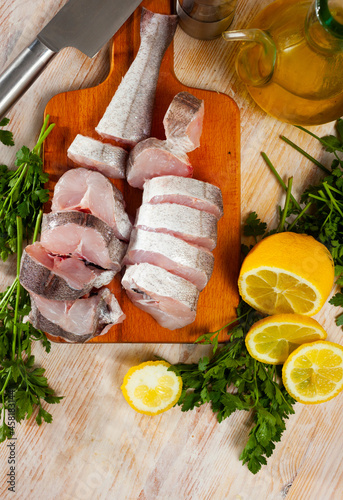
87,191
189,224
152,158
182,191
171,300
78,320
84,236
59,278
183,121
128,116
192,263
107,159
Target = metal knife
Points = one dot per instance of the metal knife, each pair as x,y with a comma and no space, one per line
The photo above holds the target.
84,24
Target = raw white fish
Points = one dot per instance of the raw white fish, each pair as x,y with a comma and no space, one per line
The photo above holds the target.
183,121
171,300
84,236
59,278
182,191
129,114
152,158
78,320
189,224
87,191
192,263
107,159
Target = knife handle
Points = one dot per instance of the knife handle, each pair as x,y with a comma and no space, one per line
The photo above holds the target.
23,71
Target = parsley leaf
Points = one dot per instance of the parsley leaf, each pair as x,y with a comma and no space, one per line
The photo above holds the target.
6,137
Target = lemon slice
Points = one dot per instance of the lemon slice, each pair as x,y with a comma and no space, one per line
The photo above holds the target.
313,373
272,339
287,273
150,388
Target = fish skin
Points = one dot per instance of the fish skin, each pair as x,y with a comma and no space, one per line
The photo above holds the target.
84,227
184,191
169,299
188,261
41,278
88,191
183,121
128,116
105,158
152,158
101,311
189,224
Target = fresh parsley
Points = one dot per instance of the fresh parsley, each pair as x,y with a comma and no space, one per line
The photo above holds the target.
22,192
18,373
6,137
230,379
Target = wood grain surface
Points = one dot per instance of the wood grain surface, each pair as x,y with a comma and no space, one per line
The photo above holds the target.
215,161
97,447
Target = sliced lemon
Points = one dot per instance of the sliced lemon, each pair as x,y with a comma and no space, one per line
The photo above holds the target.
313,373
287,273
272,339
150,388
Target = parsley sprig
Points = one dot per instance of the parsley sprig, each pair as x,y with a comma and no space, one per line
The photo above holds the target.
230,379
22,191
18,373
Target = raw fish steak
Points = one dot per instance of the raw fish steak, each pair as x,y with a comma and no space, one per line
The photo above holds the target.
59,278
84,236
87,191
183,121
192,263
78,320
107,159
152,158
182,191
171,300
128,116
189,224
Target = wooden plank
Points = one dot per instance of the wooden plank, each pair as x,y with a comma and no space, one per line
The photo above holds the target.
216,161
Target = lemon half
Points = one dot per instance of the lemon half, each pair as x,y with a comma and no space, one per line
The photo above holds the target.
272,339
150,388
313,373
287,273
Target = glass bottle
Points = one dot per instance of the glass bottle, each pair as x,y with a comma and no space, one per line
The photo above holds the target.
292,60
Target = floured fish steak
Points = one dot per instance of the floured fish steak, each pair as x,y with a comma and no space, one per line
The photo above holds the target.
84,236
171,300
192,263
78,320
183,121
59,278
182,191
128,116
189,224
152,158
107,159
87,191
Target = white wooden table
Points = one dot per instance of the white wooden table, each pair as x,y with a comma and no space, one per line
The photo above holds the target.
97,447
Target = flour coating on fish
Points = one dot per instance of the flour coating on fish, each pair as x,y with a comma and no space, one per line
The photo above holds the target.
128,117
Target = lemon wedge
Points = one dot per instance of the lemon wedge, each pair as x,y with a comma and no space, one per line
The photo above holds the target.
272,339
287,273
313,373
150,388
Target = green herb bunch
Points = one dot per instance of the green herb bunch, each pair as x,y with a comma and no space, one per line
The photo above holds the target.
19,377
230,379
22,191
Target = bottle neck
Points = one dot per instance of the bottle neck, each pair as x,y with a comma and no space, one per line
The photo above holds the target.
324,25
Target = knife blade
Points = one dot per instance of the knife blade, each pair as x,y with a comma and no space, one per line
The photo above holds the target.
84,24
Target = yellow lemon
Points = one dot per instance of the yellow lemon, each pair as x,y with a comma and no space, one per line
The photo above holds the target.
272,339
313,373
150,388
287,273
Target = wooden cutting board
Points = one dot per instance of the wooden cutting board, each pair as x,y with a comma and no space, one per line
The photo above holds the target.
216,161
